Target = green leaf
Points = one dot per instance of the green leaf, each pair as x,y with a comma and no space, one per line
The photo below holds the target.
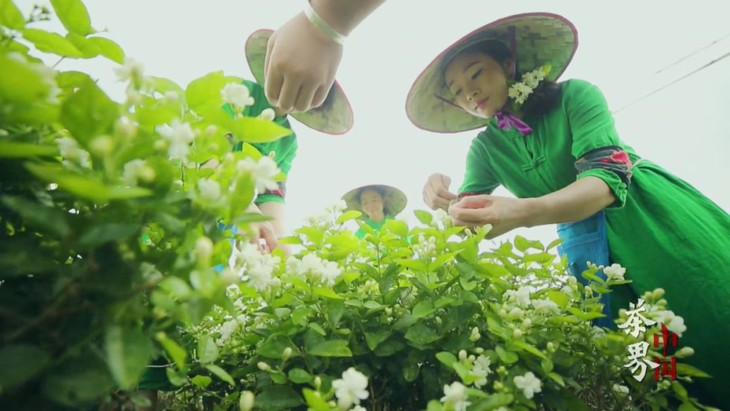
278,397
318,329
335,311
327,293
85,187
348,215
585,315
397,227
411,371
557,378
206,91
108,48
128,352
73,15
10,15
173,350
207,350
687,406
10,149
560,298
177,287
314,400
78,381
273,347
423,309
421,334
547,365
416,265
374,338
53,43
554,244
447,358
258,130
332,348
529,348
87,48
21,83
424,216
89,113
299,376
36,215
507,357
202,381
220,373
20,363
686,369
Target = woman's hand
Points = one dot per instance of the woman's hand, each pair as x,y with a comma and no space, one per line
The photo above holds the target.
300,66
262,233
436,192
503,213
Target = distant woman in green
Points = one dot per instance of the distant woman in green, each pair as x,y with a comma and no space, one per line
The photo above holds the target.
555,147
378,203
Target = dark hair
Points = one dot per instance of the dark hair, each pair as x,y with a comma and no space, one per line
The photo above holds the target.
543,99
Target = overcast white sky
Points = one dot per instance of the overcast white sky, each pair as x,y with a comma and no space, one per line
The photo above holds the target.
685,128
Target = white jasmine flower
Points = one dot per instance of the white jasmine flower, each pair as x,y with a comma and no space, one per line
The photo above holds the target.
263,172
237,95
357,408
70,150
481,369
351,388
260,277
311,262
676,325
131,172
130,70
330,272
226,330
521,296
529,384
209,190
545,305
614,272
179,135
455,394
268,114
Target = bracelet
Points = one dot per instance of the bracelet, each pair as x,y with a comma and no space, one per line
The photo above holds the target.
322,25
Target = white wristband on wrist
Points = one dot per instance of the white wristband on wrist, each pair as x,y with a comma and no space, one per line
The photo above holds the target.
322,25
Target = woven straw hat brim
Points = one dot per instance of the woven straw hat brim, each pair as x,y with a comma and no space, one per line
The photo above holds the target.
394,200
536,39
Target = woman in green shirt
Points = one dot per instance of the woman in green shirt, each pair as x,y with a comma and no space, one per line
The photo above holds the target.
378,203
555,147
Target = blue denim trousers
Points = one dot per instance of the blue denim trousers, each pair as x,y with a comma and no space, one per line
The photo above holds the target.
585,241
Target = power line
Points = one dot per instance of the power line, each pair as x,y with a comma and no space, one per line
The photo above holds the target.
681,59
724,56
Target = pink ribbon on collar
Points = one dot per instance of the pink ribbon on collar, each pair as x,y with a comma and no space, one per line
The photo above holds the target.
507,120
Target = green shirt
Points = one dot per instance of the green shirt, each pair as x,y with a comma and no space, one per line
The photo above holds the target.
360,233
665,232
284,149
